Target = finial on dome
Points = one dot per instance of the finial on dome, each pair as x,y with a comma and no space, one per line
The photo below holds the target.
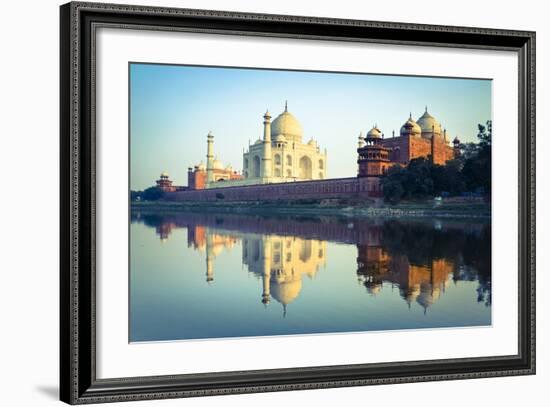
286,105
426,108
410,115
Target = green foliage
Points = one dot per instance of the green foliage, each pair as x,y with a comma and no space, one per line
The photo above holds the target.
136,195
422,179
477,168
152,194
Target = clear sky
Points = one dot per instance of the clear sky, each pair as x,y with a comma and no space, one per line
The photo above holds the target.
172,109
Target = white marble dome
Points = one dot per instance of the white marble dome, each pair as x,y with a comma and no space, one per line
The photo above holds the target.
374,133
287,125
428,123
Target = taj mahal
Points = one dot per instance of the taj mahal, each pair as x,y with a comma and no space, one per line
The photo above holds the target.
279,156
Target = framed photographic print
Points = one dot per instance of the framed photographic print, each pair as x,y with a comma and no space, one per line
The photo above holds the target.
255,203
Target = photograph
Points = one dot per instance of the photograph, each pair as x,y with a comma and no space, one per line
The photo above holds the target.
268,202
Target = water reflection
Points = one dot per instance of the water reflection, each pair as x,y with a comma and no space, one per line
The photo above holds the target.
281,262
417,260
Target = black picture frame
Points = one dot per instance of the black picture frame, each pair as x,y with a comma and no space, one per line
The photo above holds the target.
78,382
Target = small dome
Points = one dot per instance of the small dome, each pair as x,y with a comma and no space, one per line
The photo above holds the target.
428,123
374,133
456,140
217,165
428,296
164,174
410,128
374,288
287,125
280,138
410,294
201,166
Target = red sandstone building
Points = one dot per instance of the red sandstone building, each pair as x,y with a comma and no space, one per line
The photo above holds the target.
197,175
423,138
165,183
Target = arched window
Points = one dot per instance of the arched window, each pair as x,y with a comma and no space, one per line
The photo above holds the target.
246,163
321,164
320,175
277,172
288,173
305,167
256,169
277,159
289,160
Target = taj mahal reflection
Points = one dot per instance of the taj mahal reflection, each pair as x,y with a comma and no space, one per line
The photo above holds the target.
419,261
282,262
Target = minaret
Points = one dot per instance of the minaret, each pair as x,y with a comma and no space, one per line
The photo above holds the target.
265,171
210,158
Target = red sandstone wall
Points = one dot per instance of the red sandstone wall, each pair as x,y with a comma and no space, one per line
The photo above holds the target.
200,180
398,142
321,189
419,147
196,179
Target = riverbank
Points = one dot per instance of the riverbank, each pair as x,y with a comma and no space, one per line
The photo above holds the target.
369,209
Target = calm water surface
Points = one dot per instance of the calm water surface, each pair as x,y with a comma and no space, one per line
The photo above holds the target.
203,275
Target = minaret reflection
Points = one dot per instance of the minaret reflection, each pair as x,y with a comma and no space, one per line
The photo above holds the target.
211,243
281,262
420,283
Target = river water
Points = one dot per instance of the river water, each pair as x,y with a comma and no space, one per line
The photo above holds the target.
204,275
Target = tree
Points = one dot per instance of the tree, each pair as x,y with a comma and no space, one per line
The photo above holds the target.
477,168
421,178
136,195
392,184
152,194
